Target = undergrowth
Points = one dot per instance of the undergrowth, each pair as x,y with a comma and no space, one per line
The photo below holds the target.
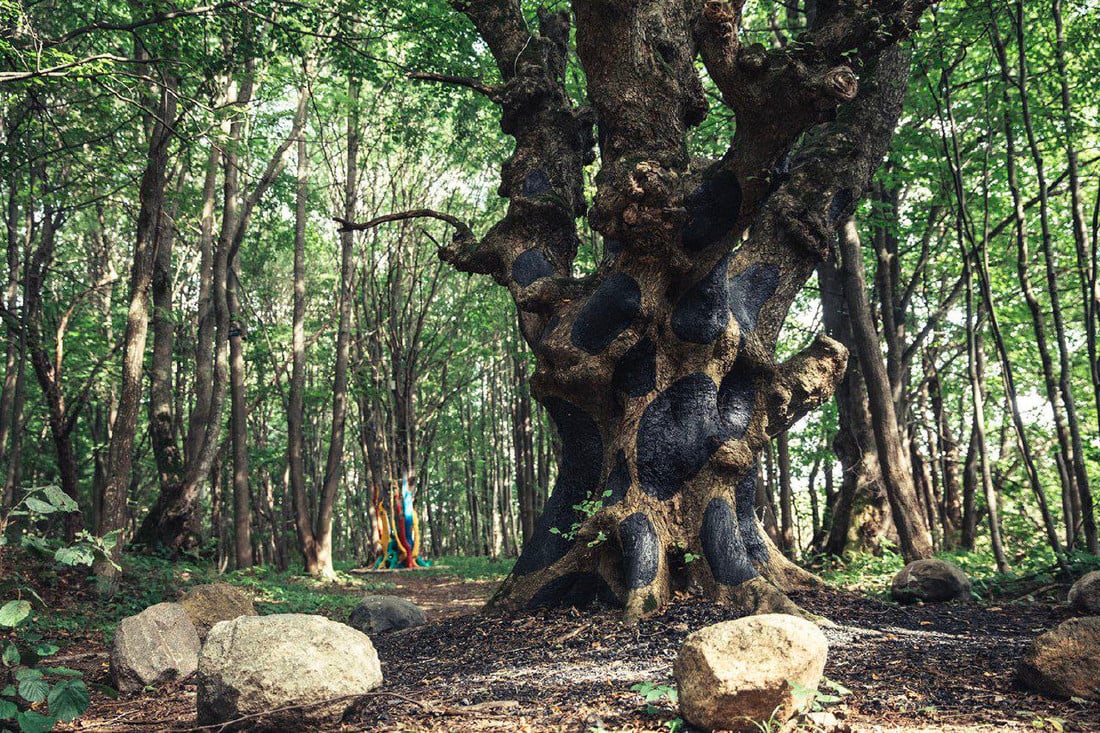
472,568
1032,573
146,580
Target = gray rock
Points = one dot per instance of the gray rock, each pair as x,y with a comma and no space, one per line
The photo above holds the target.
1065,662
155,646
208,604
931,581
376,614
257,664
1084,596
736,674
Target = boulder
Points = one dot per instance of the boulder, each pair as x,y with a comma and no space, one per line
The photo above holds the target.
1084,596
257,664
1065,662
931,581
155,646
736,674
208,604
376,614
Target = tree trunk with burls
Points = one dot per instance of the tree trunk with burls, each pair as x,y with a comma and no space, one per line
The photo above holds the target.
658,368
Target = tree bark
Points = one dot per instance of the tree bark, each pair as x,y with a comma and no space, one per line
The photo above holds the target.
296,473
238,421
658,370
151,196
173,521
948,451
321,562
914,539
859,511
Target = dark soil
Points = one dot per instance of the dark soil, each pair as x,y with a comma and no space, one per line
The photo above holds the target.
942,667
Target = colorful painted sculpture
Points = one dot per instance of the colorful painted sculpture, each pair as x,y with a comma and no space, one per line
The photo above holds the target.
399,530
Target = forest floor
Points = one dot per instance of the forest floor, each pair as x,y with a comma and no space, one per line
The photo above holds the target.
907,668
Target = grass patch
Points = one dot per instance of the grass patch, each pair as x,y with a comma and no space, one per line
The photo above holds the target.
472,568
1031,571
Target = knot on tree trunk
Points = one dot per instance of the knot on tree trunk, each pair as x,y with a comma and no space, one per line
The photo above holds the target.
842,83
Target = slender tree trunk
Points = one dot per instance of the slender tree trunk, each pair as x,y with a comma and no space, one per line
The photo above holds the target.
948,449
318,558
238,412
786,499
914,539
174,521
1063,455
859,512
47,366
120,463
1081,493
13,352
295,418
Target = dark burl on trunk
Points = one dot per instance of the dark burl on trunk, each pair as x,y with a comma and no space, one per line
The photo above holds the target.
658,368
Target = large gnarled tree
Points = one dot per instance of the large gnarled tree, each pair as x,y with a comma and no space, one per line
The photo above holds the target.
659,368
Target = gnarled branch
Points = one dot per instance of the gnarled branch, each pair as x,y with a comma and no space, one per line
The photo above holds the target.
492,92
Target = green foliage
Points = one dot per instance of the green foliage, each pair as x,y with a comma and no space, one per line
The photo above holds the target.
808,698
587,509
29,682
471,568
863,572
655,693
13,612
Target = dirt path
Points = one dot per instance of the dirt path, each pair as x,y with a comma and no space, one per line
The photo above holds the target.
935,668
441,596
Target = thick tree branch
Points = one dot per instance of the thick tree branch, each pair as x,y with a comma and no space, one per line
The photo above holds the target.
464,231
493,93
63,69
804,382
465,251
502,26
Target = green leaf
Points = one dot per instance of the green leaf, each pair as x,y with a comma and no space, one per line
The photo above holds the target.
61,671
835,686
40,507
11,655
27,673
61,501
13,612
76,555
32,722
8,709
68,699
36,543
45,649
34,690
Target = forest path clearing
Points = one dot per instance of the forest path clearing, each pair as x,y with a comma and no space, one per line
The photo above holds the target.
916,668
